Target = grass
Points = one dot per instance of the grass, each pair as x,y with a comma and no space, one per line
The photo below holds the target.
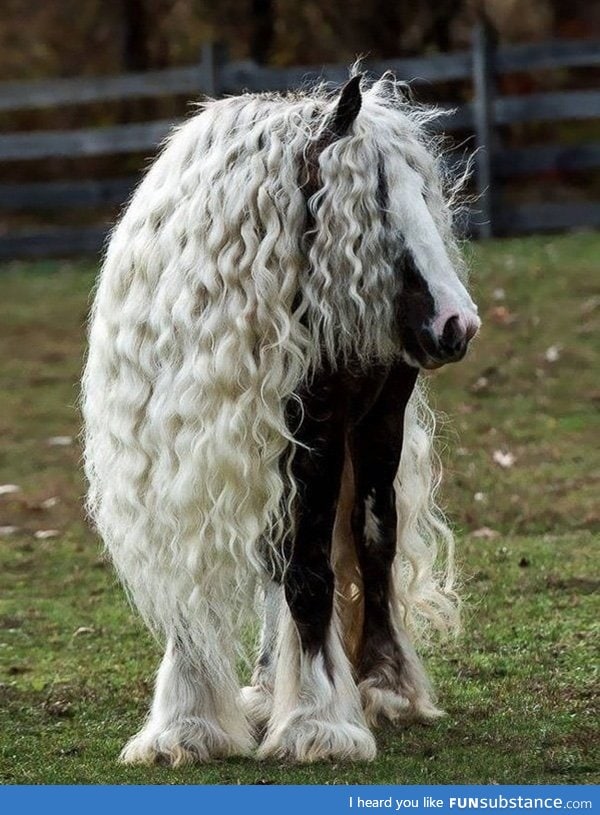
76,666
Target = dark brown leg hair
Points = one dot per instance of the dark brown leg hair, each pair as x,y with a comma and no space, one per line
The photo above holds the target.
317,467
376,446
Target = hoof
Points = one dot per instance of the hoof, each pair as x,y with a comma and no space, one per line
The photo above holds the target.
256,702
311,740
384,704
187,741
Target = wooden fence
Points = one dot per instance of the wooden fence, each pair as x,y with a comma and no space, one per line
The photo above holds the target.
215,75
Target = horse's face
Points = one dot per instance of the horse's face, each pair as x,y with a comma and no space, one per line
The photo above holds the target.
436,315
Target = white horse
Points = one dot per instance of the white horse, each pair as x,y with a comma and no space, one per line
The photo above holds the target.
254,425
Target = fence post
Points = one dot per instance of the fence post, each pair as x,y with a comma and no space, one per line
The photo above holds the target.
484,45
212,58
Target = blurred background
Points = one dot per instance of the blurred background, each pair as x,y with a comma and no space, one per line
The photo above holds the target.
87,90
88,37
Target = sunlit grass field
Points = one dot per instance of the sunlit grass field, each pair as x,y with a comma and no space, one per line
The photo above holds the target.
520,448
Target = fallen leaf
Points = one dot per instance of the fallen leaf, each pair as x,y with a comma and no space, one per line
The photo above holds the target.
44,534
59,441
49,503
58,707
590,305
503,459
9,489
587,328
552,353
480,497
485,533
5,531
480,385
501,315
486,378
499,294
83,629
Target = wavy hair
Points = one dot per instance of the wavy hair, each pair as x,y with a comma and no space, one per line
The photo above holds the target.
225,285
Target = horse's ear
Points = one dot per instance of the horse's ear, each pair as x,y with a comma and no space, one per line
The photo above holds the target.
335,127
347,108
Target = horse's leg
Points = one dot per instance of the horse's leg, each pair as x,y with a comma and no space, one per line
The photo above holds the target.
257,698
195,714
392,681
316,706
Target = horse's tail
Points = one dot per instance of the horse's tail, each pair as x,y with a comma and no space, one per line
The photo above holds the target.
424,570
184,442
424,578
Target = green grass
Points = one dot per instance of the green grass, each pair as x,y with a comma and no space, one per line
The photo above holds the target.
76,666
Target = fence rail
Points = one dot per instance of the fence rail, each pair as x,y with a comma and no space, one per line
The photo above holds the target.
50,195
215,75
62,242
27,95
548,216
136,138
55,92
90,193
93,141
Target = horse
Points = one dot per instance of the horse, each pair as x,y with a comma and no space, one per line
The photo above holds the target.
257,436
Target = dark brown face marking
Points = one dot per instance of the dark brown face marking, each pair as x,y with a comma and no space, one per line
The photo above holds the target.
415,309
382,190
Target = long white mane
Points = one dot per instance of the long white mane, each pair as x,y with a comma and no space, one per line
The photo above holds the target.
217,298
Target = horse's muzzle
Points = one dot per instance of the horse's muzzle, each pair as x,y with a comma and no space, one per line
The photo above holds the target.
451,343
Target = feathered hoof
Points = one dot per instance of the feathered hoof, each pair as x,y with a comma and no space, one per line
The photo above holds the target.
187,741
384,704
256,702
311,740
